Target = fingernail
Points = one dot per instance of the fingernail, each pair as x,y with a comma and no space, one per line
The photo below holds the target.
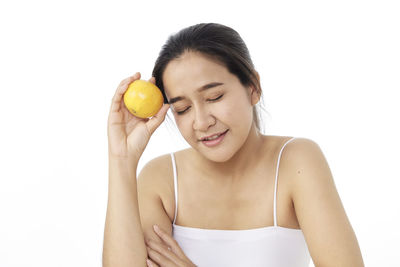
156,228
148,262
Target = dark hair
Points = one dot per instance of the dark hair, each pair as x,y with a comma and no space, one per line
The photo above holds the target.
218,42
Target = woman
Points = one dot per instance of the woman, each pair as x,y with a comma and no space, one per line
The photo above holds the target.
231,210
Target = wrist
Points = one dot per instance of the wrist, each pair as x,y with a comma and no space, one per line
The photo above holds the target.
123,161
122,168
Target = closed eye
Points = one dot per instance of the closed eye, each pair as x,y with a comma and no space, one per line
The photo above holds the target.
216,98
212,100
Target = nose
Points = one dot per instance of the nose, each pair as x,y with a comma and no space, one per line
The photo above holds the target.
202,120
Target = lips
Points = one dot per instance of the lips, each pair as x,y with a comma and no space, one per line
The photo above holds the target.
219,134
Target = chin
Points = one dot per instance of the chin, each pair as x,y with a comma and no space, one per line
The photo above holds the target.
216,155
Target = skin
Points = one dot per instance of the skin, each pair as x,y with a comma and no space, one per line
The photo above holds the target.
204,118
237,177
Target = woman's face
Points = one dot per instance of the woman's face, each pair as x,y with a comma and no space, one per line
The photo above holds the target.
223,105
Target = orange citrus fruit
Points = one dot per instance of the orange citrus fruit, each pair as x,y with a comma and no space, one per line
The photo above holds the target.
143,99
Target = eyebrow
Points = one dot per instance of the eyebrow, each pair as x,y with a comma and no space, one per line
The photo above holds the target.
201,89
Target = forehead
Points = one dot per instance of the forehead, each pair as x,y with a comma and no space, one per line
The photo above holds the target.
191,71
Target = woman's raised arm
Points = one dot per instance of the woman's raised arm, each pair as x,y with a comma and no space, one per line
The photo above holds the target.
128,136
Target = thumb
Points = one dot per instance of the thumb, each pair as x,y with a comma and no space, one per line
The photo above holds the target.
152,80
157,119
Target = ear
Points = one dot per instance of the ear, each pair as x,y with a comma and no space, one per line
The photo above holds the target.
254,93
255,97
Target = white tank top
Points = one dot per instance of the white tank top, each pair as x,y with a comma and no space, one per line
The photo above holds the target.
271,246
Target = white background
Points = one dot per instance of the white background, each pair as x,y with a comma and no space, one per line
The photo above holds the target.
329,72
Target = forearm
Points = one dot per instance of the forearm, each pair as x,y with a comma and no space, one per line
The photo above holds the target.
123,236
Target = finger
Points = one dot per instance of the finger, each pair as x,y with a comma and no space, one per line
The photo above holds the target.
157,119
164,250
116,100
169,241
151,263
127,79
159,258
152,80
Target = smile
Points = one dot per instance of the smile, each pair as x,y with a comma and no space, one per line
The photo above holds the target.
215,141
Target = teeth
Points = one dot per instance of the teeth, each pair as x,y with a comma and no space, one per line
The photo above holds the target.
212,138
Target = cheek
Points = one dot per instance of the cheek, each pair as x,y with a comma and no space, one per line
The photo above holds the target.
234,111
226,114
184,125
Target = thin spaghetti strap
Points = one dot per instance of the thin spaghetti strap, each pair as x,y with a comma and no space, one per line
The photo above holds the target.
175,186
276,178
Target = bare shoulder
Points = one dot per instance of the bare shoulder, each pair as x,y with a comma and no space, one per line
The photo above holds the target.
156,186
158,172
152,182
303,161
319,209
299,148
154,172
